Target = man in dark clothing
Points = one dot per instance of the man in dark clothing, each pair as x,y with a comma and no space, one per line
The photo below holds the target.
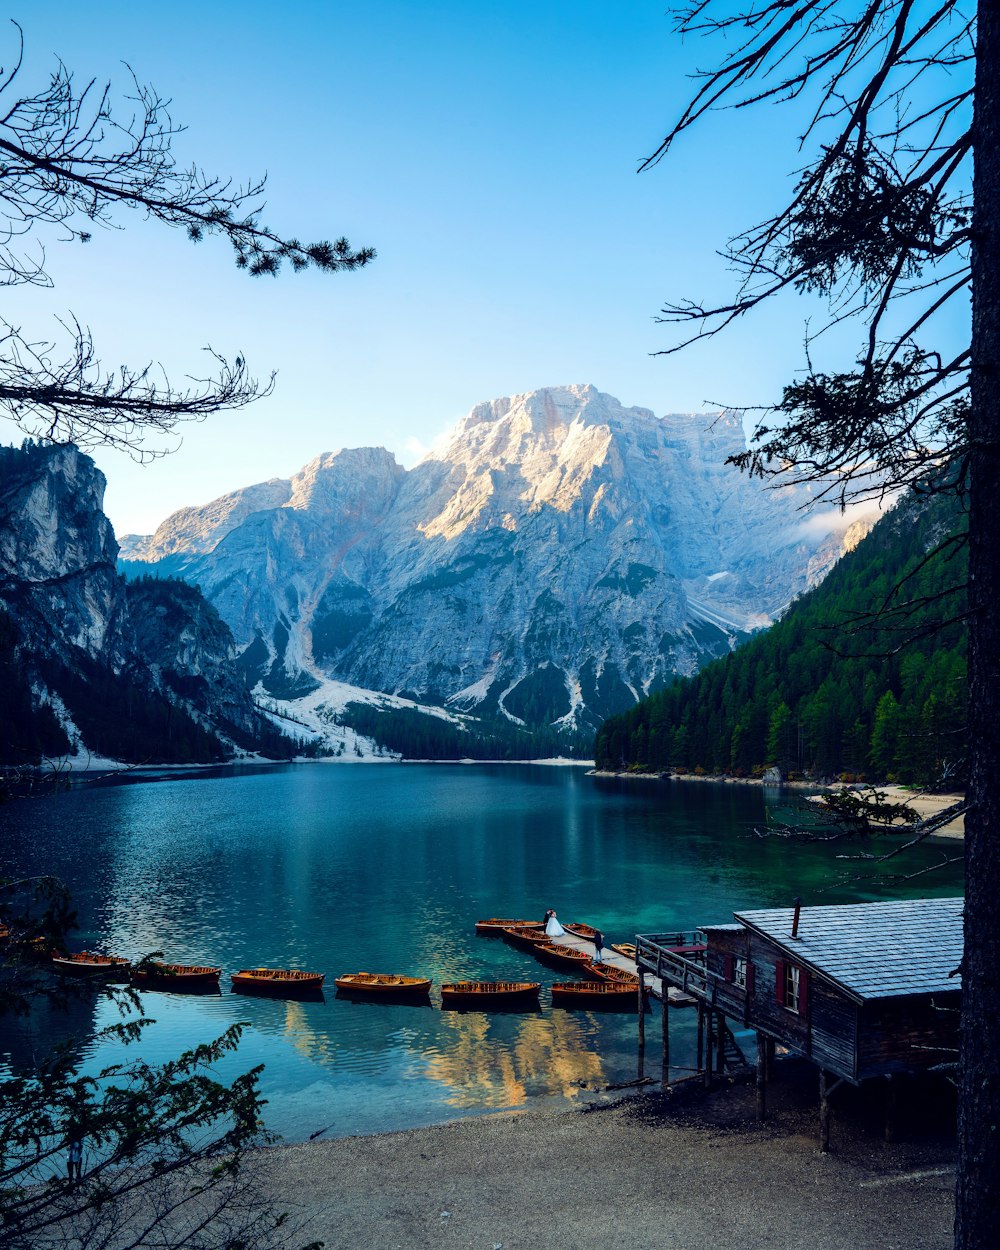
598,946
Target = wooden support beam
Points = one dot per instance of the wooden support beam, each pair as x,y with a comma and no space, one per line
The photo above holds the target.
665,1063
708,1048
720,1042
699,1062
824,1114
761,1076
642,997
825,1090
891,1087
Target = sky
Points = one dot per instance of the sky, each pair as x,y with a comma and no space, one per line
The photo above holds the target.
487,151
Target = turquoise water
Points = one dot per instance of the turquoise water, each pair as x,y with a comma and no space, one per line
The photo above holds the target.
385,868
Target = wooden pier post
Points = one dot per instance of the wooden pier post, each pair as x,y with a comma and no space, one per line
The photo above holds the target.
824,1113
720,1042
701,1036
761,1076
665,1066
642,997
890,1107
707,1070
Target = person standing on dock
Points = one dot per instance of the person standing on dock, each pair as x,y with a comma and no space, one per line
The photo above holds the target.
598,947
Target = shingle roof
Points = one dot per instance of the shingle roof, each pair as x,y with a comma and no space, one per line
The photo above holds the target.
873,950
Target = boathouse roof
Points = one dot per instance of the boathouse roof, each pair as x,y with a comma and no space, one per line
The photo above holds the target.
873,950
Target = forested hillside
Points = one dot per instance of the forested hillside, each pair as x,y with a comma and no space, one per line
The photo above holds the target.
830,689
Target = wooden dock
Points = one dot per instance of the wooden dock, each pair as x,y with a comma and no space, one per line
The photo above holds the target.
654,985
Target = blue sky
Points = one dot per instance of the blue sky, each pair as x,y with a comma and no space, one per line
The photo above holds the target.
487,151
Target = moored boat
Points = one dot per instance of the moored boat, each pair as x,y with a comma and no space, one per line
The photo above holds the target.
182,977
609,972
564,956
495,926
90,964
591,994
284,982
624,948
488,995
523,936
382,983
580,930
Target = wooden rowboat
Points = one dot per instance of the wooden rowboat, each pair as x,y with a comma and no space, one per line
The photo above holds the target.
382,983
625,948
608,972
488,995
521,935
89,964
564,956
591,994
279,981
580,930
495,926
181,977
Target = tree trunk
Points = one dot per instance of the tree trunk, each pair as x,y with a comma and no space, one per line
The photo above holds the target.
978,1190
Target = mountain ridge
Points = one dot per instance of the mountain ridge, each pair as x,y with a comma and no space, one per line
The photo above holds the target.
555,558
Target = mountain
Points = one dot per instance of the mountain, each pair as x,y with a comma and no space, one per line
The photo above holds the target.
556,559
91,666
864,676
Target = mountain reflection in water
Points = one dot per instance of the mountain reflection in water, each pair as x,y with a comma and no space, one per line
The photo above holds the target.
347,868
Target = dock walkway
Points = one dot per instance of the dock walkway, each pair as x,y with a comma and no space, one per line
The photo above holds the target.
654,985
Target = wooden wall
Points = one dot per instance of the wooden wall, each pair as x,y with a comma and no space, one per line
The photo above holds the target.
853,1040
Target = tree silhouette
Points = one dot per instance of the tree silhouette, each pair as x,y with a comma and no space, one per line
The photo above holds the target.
170,1152
73,158
896,220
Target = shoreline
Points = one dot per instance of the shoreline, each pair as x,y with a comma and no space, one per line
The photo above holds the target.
923,803
686,1170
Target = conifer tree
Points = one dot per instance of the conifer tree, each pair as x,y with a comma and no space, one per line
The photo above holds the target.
896,219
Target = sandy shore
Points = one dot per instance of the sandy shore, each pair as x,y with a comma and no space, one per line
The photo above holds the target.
689,1171
930,805
923,804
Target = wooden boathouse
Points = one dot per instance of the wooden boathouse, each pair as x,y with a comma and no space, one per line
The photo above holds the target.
863,990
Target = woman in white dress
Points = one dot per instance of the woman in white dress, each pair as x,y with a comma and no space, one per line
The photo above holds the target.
552,926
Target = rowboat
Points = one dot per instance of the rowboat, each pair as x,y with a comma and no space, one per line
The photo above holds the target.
625,948
182,977
565,956
286,982
591,994
89,964
521,935
580,930
488,995
382,983
495,926
608,972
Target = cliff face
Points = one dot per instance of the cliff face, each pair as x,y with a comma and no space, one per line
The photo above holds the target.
58,553
147,674
556,559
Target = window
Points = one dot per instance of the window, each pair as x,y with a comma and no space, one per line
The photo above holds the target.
791,987
740,973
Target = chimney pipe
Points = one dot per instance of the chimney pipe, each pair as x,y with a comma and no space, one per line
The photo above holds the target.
795,917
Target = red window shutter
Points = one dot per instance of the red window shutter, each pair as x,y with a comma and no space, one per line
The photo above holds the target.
803,991
727,967
750,977
779,982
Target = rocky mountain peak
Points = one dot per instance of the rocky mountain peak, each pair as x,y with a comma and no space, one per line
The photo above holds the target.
556,558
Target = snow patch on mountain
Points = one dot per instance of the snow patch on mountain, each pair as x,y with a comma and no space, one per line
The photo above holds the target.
551,561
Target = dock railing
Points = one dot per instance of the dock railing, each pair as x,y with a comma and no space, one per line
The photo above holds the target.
678,959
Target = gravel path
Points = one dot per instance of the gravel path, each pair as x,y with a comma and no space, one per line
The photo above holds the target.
685,1172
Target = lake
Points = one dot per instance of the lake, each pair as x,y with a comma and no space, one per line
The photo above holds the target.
385,868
